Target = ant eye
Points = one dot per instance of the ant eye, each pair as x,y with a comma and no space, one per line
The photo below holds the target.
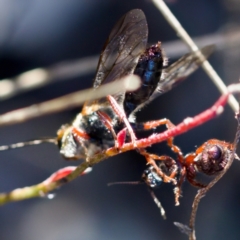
215,152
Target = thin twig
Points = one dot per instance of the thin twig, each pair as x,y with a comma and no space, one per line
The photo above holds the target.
129,83
40,77
172,20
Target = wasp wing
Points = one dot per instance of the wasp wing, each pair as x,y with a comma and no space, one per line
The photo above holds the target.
124,45
181,69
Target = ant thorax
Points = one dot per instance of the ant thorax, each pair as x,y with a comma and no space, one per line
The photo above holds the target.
88,134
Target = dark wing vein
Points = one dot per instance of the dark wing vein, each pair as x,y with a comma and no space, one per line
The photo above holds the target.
181,69
125,44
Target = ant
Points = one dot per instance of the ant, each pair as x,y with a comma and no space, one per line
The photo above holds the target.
209,159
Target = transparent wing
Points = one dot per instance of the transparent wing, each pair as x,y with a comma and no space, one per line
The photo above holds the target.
125,44
181,69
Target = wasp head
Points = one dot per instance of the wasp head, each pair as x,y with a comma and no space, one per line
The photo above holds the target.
70,147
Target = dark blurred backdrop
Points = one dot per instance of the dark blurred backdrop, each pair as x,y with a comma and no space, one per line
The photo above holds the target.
42,33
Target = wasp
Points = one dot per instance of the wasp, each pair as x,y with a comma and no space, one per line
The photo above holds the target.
110,121
102,123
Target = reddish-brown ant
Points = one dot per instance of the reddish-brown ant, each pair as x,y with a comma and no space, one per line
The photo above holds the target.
210,159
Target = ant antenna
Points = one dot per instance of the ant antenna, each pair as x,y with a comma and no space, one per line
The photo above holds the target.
158,203
154,197
29,143
125,183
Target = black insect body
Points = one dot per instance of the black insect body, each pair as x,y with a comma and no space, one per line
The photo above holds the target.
96,127
88,134
149,69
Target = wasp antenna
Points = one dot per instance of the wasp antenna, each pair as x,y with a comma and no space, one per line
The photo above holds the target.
29,143
236,157
124,183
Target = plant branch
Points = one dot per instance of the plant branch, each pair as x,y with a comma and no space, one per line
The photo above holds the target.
40,77
45,187
129,83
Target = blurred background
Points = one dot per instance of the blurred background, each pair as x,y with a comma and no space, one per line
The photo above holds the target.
58,34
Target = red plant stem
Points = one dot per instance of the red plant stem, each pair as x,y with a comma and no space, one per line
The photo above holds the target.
184,126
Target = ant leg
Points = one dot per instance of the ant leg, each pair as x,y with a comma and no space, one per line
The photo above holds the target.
178,189
153,124
190,122
119,111
169,125
176,150
169,164
173,169
191,172
195,183
150,158
170,168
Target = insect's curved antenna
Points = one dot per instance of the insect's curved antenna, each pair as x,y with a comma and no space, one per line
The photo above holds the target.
28,143
125,183
154,197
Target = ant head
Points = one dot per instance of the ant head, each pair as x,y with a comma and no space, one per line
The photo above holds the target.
213,156
151,178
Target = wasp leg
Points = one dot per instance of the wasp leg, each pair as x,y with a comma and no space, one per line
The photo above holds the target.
118,138
119,111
